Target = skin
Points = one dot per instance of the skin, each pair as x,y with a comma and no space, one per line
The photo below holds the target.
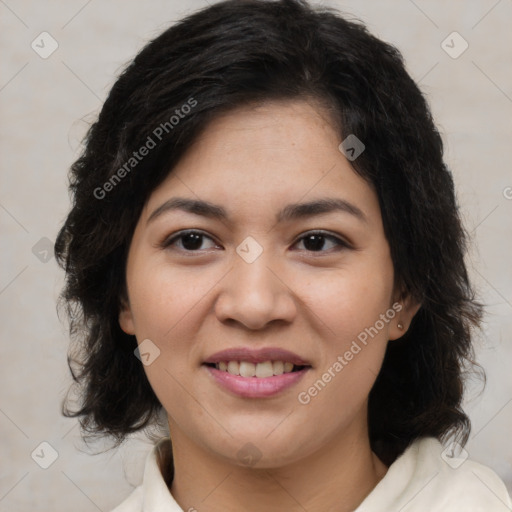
253,161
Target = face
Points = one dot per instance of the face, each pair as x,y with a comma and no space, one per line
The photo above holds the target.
260,284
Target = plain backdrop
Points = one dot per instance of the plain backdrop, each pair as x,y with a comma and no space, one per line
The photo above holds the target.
46,106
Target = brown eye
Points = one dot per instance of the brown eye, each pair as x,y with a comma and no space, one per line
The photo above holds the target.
192,241
321,242
189,241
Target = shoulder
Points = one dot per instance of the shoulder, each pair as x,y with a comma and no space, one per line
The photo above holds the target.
456,481
153,493
131,504
430,477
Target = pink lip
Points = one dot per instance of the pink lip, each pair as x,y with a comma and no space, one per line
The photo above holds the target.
257,356
254,387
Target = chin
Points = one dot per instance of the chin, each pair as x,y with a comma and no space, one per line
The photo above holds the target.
264,449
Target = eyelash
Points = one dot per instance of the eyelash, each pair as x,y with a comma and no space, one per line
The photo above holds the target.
169,241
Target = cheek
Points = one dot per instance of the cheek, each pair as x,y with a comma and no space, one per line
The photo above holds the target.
164,298
349,301
165,308
352,344
169,306
350,305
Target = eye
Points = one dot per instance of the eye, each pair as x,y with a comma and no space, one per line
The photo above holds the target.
319,241
194,241
189,241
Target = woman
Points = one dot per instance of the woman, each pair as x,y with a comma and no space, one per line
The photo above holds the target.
265,246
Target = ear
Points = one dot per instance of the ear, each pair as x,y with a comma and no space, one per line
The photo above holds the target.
406,307
126,318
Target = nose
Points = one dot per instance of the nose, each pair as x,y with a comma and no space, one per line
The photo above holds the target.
254,295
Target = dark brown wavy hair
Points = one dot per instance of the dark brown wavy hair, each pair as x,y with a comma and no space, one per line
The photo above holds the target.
223,57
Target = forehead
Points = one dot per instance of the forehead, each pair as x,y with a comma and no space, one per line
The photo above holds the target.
260,157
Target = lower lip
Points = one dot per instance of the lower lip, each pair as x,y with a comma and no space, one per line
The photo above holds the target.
255,387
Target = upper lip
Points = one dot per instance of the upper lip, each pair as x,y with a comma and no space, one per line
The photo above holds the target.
255,356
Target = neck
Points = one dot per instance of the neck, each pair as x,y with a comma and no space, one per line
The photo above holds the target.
338,477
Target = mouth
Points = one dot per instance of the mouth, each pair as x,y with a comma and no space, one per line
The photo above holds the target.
250,373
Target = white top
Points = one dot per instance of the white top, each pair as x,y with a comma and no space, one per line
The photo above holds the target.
422,479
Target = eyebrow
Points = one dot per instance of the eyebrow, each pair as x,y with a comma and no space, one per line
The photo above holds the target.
290,212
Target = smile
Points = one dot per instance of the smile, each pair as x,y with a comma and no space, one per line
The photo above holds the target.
258,370
248,381
256,373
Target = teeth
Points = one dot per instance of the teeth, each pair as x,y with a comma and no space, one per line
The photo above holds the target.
259,370
278,367
234,367
263,370
247,369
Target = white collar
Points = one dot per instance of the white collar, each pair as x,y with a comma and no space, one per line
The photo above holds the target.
422,479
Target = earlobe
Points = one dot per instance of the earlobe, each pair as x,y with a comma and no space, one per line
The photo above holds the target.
402,321
126,320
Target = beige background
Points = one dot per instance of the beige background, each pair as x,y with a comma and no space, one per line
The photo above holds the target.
46,105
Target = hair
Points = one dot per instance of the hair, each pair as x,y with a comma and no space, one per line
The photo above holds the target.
221,58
